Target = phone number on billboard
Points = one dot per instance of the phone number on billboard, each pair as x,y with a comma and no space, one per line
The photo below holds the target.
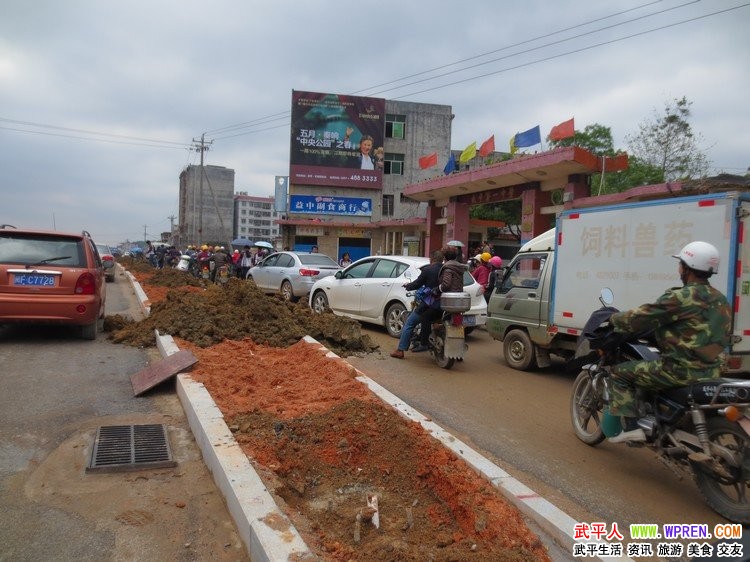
358,177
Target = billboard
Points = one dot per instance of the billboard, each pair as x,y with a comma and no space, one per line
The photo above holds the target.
330,205
337,140
281,189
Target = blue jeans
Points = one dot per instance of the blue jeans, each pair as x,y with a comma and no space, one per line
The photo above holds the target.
414,318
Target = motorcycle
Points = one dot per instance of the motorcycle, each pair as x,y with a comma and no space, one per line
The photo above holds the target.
446,341
701,429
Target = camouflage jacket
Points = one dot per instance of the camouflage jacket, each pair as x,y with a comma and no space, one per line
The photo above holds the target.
691,325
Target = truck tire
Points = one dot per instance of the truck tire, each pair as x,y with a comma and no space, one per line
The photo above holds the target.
518,350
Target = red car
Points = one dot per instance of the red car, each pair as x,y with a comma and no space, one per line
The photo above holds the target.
51,277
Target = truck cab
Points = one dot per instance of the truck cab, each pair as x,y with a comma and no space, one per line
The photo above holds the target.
519,306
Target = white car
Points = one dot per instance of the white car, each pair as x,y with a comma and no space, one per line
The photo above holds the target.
371,290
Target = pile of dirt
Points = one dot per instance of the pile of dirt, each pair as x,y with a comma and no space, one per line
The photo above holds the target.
323,444
183,307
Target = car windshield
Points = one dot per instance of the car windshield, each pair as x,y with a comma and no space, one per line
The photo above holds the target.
41,249
316,259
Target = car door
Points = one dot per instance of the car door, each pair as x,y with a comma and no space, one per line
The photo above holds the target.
284,268
263,271
377,287
344,295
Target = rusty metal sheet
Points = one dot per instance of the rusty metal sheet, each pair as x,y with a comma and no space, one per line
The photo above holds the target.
160,371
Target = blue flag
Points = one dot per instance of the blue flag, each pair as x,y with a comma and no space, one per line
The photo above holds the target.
450,167
528,138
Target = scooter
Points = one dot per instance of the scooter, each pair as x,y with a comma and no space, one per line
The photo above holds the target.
447,341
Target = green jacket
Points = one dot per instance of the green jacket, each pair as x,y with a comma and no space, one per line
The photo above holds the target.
691,325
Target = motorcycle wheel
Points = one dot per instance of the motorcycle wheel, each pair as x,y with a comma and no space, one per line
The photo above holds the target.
438,347
586,410
726,494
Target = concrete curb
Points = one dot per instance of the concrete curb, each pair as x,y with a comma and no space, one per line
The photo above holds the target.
266,531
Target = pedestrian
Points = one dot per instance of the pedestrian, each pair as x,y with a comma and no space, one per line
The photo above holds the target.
246,262
495,263
481,272
345,260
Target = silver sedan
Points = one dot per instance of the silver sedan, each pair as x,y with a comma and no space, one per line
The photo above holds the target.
291,274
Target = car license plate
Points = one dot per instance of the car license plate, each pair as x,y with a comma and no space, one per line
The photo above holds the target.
33,280
470,320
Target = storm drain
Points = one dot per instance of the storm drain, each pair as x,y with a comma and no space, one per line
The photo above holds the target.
121,448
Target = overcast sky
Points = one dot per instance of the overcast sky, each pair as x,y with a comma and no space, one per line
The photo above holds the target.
100,100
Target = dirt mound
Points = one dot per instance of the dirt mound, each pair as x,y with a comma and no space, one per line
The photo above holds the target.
323,444
236,311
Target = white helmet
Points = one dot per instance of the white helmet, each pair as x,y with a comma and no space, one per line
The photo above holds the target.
700,256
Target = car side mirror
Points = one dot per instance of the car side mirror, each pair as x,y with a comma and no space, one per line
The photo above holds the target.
339,274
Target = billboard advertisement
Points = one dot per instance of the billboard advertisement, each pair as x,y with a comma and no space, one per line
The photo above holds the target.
337,140
327,205
281,190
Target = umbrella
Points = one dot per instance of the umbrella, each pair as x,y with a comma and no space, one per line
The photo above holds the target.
136,250
241,242
264,245
456,243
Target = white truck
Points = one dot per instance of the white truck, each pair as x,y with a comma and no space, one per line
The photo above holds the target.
552,285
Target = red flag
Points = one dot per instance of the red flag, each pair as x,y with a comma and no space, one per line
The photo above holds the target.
428,161
487,147
562,131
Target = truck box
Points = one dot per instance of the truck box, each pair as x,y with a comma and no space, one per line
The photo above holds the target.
552,285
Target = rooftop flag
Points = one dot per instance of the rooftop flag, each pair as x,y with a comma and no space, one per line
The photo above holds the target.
487,147
564,130
450,166
468,153
528,138
428,161
512,144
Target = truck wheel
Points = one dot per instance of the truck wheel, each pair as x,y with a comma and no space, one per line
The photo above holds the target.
518,350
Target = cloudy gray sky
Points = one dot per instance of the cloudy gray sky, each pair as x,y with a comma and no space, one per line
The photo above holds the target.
100,100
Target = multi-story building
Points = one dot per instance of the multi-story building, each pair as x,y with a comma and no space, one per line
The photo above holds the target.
256,219
343,203
206,206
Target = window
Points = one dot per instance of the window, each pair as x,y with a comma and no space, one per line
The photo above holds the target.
526,273
395,126
359,271
394,164
387,205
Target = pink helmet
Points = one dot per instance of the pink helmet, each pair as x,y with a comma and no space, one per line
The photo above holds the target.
496,262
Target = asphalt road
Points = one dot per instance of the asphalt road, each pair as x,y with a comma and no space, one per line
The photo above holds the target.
521,421
55,390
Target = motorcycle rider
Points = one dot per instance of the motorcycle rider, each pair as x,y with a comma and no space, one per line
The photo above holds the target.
451,280
495,263
691,326
220,259
428,277
482,272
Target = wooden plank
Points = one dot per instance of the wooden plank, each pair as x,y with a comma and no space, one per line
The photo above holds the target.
160,371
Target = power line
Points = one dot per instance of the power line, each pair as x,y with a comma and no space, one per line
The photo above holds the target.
58,128
260,120
185,147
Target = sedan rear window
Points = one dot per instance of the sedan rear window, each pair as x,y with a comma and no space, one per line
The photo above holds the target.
316,259
41,250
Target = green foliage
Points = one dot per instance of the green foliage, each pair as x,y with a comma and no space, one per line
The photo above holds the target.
595,138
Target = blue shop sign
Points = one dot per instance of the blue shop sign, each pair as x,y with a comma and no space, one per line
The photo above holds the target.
325,205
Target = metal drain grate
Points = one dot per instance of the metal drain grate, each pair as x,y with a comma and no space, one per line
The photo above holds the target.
130,447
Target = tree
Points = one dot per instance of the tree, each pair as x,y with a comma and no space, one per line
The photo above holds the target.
595,138
667,143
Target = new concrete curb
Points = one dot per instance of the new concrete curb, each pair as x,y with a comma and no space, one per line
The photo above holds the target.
266,531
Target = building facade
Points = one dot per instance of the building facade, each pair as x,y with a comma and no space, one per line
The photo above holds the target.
206,206
362,220
256,219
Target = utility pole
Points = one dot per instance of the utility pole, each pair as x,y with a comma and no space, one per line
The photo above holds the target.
144,232
171,227
201,146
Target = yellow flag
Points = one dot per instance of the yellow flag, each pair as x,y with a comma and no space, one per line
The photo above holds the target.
513,147
468,153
